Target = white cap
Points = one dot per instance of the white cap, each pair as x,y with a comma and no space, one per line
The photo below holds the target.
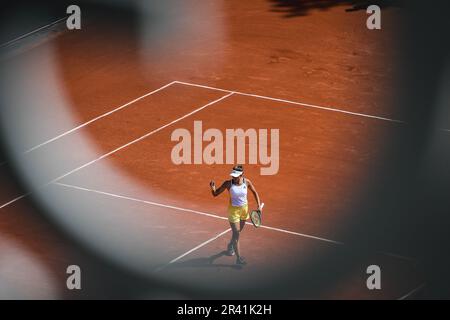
236,173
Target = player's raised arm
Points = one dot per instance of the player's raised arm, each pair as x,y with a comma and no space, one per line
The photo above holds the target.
221,189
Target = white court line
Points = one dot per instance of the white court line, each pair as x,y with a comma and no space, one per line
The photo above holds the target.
412,292
139,200
215,237
192,250
140,138
213,216
31,32
99,117
124,146
191,211
14,200
94,119
397,256
293,102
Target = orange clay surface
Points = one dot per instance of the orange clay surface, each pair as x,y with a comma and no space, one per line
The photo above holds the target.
325,58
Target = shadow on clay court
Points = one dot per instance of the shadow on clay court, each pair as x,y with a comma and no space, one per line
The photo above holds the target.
295,8
206,262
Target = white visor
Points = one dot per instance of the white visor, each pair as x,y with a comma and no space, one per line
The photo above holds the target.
236,173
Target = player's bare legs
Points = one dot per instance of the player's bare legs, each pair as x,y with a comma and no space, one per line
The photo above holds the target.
242,225
236,228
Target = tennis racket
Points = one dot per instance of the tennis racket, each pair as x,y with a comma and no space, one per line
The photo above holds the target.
255,216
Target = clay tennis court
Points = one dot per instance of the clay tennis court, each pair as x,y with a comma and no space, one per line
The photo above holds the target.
335,119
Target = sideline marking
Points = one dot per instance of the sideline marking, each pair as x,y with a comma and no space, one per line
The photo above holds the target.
31,32
99,117
122,147
192,250
412,292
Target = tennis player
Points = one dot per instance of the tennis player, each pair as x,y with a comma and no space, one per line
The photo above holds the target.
238,207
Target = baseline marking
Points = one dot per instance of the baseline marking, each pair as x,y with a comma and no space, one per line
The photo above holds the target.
293,102
139,200
215,216
122,147
191,211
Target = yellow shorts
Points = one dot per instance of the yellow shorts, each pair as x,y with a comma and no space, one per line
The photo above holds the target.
235,214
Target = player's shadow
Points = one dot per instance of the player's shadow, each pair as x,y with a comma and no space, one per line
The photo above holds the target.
206,262
294,8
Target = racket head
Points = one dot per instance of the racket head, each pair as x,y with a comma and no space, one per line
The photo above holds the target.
255,217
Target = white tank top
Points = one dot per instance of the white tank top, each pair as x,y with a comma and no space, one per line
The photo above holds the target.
238,194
